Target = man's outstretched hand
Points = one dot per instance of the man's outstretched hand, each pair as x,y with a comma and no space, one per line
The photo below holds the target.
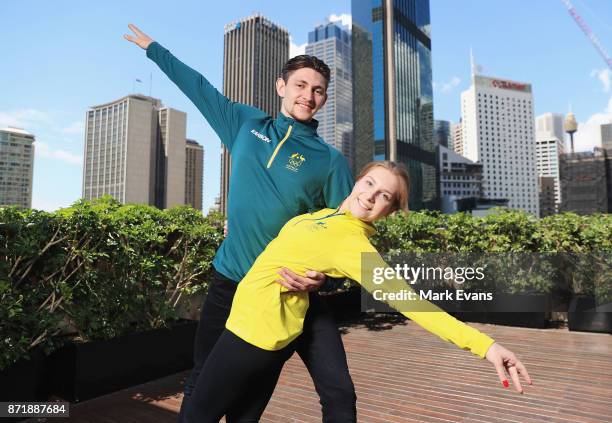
141,39
294,282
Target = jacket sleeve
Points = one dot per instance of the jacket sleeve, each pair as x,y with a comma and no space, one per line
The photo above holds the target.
224,116
359,260
339,182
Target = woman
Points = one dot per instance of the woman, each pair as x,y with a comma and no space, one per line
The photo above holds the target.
241,372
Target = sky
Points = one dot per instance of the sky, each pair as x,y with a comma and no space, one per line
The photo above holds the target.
60,58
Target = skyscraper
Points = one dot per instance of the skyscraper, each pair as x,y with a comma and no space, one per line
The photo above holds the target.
392,90
194,173
552,123
171,150
254,52
135,151
606,136
457,137
442,133
498,131
16,167
332,44
548,149
586,182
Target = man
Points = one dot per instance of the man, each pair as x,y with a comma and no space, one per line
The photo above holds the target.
280,168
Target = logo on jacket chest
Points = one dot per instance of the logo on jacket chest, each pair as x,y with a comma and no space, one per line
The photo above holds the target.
260,136
317,226
295,161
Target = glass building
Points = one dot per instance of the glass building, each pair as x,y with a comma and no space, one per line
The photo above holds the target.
332,44
392,91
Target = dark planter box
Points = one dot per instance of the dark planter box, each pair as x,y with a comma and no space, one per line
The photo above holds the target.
81,371
532,311
24,381
584,315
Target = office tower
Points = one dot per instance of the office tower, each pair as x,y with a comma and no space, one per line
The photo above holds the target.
332,44
548,203
442,133
548,149
135,151
254,52
460,178
498,131
586,182
194,173
16,167
392,91
170,184
606,136
551,123
457,136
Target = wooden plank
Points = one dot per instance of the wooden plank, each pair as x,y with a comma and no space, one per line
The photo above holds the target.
404,374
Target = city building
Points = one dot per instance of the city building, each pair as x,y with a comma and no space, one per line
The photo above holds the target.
216,207
460,179
606,136
254,52
498,132
442,133
551,123
332,44
171,151
457,137
547,196
586,182
548,149
16,167
135,151
194,174
392,91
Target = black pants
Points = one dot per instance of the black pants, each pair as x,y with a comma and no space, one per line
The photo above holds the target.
236,381
320,348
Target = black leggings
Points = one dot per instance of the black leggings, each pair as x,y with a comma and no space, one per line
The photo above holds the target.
319,346
236,381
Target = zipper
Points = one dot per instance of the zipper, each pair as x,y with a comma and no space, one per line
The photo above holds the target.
280,144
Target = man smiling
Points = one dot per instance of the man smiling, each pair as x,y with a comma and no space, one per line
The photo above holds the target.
281,168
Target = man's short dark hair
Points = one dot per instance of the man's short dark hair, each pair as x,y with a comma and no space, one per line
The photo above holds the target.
305,61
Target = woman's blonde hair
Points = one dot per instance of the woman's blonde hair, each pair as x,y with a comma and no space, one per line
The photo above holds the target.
399,170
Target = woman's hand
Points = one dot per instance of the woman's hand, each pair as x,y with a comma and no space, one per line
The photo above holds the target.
141,39
293,282
505,362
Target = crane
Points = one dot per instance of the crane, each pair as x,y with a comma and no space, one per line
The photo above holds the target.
587,31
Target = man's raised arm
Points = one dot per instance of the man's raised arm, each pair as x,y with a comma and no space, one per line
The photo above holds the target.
224,116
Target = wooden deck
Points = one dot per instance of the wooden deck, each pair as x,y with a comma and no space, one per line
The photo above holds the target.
404,374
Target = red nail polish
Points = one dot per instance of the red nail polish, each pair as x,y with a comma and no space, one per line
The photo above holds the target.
506,384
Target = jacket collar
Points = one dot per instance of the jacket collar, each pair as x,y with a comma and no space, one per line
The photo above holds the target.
305,128
367,227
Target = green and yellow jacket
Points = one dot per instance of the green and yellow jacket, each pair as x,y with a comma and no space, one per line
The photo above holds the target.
280,167
264,314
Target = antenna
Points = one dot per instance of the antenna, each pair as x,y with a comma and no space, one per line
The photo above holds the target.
472,62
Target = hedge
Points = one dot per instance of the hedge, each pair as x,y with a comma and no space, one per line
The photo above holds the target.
99,269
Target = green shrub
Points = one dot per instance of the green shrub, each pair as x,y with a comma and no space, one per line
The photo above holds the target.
98,270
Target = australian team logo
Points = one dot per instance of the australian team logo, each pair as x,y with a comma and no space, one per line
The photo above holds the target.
317,226
295,161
